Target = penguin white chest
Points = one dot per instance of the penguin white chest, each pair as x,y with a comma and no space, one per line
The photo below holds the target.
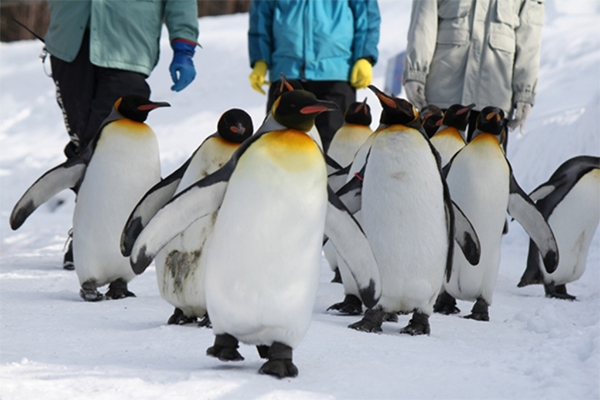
262,264
125,164
404,219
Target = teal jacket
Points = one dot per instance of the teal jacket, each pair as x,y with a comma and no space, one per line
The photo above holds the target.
318,40
123,34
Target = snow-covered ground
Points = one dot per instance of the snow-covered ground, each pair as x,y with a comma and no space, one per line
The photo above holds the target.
55,346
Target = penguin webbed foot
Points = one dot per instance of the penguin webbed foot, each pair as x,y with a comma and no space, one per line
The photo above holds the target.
337,278
445,304
179,318
558,292
205,322
351,305
118,290
479,312
279,362
418,325
371,322
225,348
89,292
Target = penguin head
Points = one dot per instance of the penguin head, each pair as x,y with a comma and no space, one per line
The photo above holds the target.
298,109
235,125
457,116
491,120
286,85
395,110
136,107
358,113
430,118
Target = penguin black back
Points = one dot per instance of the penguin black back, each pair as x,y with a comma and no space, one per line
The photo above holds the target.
491,120
430,118
136,107
396,110
235,125
457,116
297,109
358,113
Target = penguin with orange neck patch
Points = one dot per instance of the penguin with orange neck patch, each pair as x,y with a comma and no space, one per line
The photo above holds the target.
449,138
481,183
113,173
264,254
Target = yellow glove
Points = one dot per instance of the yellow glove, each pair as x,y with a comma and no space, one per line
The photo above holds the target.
362,74
257,77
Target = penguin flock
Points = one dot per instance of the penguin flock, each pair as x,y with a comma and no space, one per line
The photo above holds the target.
410,217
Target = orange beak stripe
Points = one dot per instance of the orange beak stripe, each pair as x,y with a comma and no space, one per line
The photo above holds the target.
313,109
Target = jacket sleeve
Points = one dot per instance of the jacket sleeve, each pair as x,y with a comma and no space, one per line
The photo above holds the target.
181,18
528,49
260,41
422,37
367,21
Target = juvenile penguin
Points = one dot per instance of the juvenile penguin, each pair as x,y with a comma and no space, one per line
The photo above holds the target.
430,118
114,172
179,266
569,200
263,257
449,138
407,216
482,184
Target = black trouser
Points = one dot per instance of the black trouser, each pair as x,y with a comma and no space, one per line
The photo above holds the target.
339,92
86,93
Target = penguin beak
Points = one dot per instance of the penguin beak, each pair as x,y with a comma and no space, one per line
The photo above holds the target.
318,107
285,85
383,97
238,129
466,109
362,107
152,105
493,115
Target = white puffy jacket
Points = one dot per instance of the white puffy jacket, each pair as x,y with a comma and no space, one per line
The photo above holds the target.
485,52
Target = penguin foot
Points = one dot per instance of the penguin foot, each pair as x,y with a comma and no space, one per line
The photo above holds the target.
88,291
390,317
558,292
371,322
280,362
179,318
418,325
350,306
205,322
263,350
68,257
526,282
479,312
445,304
225,348
118,290
337,278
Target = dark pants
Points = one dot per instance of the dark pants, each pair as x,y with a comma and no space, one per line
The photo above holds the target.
86,93
339,92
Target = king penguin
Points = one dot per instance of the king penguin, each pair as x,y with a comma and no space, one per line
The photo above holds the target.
113,173
430,118
263,257
179,266
407,216
482,184
449,138
569,200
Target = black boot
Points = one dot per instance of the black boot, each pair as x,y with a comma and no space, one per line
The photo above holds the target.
89,291
280,362
118,290
350,306
479,312
225,348
371,322
445,304
418,325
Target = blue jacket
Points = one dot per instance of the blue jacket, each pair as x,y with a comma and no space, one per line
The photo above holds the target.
318,40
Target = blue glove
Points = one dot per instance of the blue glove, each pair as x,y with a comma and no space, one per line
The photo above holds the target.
182,63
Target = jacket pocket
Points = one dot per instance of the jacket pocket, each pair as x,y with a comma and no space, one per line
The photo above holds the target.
534,12
448,9
502,38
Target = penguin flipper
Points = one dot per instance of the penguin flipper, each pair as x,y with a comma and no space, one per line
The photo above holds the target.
353,246
197,201
465,236
64,176
338,178
521,208
351,193
148,206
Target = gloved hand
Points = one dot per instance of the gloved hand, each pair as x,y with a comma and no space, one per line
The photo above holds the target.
520,116
257,76
362,74
415,93
182,67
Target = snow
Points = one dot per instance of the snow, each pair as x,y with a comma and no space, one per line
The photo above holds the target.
55,346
